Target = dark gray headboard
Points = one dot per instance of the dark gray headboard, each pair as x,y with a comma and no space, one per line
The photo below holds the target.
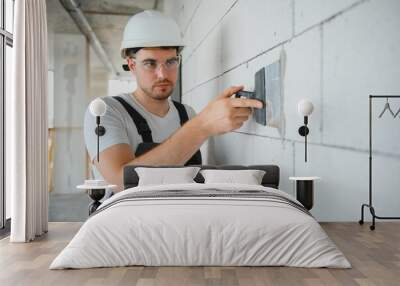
270,179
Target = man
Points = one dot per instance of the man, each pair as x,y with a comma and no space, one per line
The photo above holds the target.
151,46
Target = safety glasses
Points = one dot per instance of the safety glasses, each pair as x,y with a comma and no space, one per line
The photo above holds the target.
152,65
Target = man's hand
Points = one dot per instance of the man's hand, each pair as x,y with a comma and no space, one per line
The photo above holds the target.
225,113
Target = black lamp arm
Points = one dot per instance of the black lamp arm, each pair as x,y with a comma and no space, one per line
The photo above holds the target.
303,131
100,131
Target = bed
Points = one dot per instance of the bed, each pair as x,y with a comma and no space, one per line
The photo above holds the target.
201,224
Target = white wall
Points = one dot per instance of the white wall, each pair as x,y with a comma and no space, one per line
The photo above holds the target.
335,53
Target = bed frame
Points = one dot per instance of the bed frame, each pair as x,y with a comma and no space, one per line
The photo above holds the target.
131,178
270,179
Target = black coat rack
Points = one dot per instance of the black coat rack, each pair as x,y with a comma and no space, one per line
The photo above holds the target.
370,206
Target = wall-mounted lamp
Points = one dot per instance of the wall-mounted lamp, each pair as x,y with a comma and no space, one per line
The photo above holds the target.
97,188
305,108
98,108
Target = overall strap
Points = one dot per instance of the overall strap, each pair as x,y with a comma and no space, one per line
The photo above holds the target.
183,116
196,158
141,123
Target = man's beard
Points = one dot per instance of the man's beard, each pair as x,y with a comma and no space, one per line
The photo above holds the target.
158,93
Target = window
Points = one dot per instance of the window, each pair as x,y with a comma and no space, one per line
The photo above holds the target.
6,44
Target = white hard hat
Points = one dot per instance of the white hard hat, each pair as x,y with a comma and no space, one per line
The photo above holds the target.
151,29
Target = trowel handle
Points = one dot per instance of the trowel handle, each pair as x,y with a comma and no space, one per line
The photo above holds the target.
247,94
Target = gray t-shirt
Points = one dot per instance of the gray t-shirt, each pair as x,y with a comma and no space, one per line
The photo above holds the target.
120,127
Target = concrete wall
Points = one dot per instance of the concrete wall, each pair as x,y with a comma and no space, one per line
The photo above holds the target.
334,53
69,105
122,85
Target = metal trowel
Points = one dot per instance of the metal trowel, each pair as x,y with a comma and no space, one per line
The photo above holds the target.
259,93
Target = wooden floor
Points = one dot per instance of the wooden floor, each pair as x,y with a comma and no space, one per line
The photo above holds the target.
374,255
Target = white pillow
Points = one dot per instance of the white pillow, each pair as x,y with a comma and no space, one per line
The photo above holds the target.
248,177
162,176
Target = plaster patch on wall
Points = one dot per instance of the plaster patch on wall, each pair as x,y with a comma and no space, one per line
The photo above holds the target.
273,94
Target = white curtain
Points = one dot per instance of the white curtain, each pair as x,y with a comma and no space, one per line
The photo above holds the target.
27,123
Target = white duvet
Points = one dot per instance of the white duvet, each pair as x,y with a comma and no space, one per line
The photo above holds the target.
200,231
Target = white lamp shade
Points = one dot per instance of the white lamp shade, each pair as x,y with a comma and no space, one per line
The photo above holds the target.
98,107
305,107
